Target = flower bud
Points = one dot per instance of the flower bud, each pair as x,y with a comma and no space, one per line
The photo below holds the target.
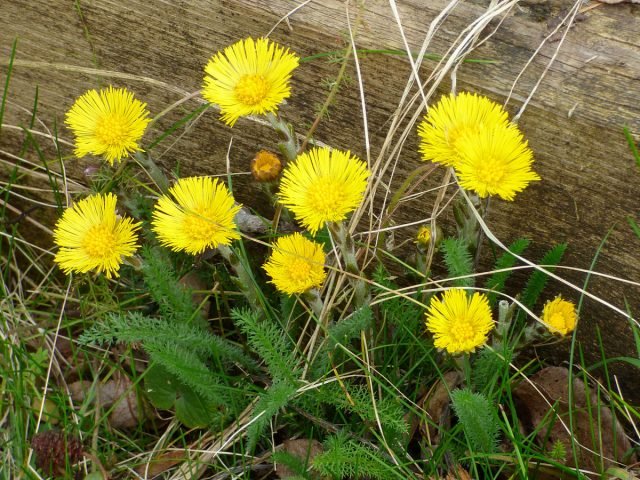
265,166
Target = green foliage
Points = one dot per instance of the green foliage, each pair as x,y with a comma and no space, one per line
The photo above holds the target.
271,401
134,327
632,145
488,368
174,300
270,343
506,261
166,391
357,400
345,458
341,332
293,463
538,280
478,418
458,260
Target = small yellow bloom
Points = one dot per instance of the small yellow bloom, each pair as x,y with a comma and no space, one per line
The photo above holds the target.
296,264
250,77
108,123
423,237
459,323
265,166
200,216
560,316
323,185
452,118
495,161
91,236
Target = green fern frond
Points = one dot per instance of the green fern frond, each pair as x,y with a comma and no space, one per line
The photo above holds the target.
344,458
478,419
458,260
192,371
277,396
134,327
507,260
174,300
538,280
270,342
358,401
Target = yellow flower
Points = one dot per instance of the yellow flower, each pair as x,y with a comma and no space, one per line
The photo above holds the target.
495,161
452,118
459,323
92,237
560,316
423,237
249,77
296,264
265,166
323,185
200,215
109,123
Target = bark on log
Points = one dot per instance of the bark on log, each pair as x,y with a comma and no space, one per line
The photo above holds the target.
573,122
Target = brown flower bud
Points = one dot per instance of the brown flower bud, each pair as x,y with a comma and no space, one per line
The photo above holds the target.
266,166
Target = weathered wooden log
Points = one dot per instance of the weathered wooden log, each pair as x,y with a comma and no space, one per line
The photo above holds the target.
589,91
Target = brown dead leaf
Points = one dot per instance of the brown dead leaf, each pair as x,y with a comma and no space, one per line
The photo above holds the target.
193,282
535,411
436,405
306,450
161,463
118,391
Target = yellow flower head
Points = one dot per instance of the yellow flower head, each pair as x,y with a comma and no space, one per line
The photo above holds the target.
108,123
92,237
323,185
423,237
200,216
249,77
450,119
265,166
495,161
458,322
560,316
296,264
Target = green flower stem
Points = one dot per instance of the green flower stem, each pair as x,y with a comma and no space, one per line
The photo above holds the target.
245,281
343,240
159,178
313,299
289,145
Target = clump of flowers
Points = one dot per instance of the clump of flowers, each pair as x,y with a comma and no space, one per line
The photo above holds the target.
560,316
323,185
91,236
198,214
459,323
109,123
473,135
250,77
296,264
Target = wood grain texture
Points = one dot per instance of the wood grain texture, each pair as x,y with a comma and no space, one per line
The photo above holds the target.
573,123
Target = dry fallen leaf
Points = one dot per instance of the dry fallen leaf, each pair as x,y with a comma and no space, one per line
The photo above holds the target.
306,450
436,405
127,413
161,463
534,409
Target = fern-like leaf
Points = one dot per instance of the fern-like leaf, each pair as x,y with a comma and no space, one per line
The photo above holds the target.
174,300
459,261
277,396
478,419
538,280
507,260
270,343
344,458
